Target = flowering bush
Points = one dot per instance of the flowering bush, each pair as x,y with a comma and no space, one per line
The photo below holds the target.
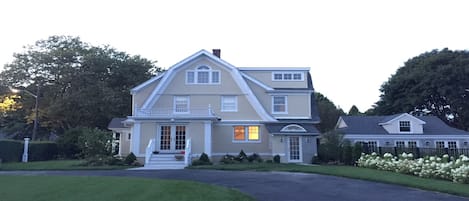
456,170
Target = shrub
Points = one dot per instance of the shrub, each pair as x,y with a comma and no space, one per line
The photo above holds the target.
255,158
228,159
357,151
203,160
241,156
67,144
11,150
95,143
130,159
42,151
428,167
269,161
277,158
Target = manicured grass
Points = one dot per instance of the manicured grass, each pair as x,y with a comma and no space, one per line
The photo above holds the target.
356,173
59,188
56,165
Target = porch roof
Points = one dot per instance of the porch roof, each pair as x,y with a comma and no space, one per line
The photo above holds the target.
117,123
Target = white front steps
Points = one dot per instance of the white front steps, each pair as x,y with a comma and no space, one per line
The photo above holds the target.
164,162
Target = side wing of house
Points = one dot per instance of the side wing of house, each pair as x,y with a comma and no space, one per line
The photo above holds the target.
403,131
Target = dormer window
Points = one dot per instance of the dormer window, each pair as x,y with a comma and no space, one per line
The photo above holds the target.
404,126
203,75
287,76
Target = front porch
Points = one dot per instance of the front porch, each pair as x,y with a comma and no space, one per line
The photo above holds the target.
160,143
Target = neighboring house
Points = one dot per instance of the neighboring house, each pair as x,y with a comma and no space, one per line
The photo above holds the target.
402,130
203,104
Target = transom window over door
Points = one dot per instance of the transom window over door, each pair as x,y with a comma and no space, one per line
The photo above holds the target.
279,104
203,75
181,104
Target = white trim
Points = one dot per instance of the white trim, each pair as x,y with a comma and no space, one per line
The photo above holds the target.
145,84
246,134
265,87
223,103
274,68
286,104
155,95
208,138
135,140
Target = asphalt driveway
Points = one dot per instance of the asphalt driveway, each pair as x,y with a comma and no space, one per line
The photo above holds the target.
273,186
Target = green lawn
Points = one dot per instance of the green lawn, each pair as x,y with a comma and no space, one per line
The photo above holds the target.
356,173
60,188
55,165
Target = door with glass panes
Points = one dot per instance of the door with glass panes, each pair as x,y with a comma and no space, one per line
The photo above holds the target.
171,138
294,149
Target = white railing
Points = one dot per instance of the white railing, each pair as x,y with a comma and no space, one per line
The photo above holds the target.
149,150
172,112
188,153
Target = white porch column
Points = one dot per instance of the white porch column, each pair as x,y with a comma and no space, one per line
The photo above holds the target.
208,138
135,139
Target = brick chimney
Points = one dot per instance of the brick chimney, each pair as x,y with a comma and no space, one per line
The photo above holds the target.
216,52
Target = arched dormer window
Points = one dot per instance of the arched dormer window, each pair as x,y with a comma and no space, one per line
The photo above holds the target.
203,75
293,128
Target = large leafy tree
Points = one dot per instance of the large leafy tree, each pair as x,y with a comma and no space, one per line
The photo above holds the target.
433,83
77,84
328,112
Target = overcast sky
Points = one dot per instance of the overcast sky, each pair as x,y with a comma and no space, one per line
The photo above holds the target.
352,47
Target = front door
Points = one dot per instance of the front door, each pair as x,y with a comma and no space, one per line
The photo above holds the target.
294,148
171,138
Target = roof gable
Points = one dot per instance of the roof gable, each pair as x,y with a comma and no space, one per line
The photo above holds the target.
234,72
393,118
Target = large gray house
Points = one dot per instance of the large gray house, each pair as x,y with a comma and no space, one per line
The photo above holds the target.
402,130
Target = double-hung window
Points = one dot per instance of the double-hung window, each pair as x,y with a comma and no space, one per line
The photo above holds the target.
181,104
229,104
246,134
279,104
404,126
202,75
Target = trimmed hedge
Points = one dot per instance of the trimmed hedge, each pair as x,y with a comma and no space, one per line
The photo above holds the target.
11,150
42,151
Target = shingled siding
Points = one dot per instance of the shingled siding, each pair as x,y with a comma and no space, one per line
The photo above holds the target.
417,152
